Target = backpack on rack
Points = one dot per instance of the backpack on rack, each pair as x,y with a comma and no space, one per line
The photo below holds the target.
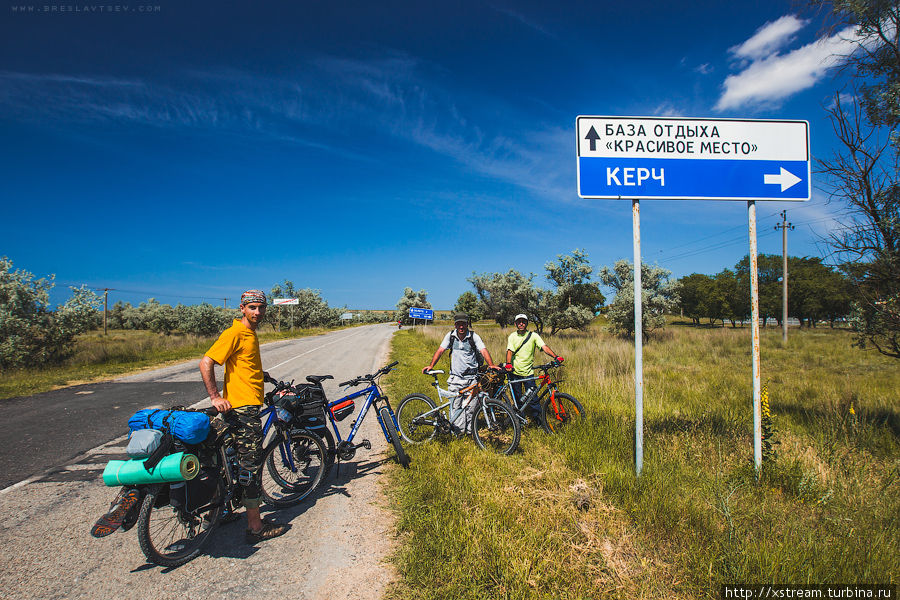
190,427
307,404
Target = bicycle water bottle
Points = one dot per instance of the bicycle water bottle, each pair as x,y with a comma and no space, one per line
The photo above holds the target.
529,396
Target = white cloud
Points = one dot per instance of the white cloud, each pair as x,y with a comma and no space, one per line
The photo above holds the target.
774,78
526,21
390,98
666,109
769,38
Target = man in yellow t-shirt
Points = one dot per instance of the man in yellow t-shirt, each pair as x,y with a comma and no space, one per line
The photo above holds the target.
520,349
240,402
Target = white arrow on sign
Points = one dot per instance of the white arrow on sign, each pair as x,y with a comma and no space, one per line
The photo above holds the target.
785,178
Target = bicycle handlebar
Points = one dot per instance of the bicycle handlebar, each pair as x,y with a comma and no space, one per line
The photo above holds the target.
550,365
371,377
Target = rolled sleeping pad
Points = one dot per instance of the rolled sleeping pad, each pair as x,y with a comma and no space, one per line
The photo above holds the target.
175,467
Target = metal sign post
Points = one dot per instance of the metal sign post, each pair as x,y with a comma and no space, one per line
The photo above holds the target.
292,302
638,341
754,327
421,313
687,158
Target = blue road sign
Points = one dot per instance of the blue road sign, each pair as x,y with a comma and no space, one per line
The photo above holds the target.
667,158
421,313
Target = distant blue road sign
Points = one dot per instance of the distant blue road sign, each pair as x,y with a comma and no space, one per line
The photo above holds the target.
421,313
709,159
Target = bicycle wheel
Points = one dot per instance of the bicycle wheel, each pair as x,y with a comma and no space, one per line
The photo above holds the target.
414,427
394,437
327,437
559,410
294,468
503,396
496,428
171,536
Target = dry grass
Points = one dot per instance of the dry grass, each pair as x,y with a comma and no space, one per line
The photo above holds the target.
566,518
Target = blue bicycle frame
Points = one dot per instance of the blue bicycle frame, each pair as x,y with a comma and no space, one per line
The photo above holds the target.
270,414
373,394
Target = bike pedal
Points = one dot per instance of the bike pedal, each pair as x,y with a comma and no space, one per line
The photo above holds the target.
366,444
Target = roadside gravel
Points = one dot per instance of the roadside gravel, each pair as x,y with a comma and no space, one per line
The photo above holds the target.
338,546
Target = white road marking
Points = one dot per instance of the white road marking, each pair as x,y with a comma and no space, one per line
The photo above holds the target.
341,339
105,447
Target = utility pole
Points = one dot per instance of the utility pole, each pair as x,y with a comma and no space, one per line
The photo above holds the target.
105,306
784,226
225,303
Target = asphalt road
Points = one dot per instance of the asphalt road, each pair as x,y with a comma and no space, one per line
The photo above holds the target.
55,446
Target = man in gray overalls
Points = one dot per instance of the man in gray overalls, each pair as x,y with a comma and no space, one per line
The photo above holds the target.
467,351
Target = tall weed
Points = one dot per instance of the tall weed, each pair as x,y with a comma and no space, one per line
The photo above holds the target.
565,517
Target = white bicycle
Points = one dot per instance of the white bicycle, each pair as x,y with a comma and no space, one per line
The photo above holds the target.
494,425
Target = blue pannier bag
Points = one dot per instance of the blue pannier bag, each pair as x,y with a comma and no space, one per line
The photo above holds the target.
188,426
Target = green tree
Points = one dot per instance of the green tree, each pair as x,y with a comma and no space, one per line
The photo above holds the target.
311,311
571,303
863,173
410,299
203,319
714,302
571,276
575,298
31,334
468,303
115,317
503,295
659,296
769,269
693,289
737,297
158,317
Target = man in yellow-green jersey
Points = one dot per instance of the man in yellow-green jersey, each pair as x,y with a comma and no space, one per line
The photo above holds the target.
520,349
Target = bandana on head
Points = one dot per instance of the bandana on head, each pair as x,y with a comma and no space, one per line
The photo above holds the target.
253,297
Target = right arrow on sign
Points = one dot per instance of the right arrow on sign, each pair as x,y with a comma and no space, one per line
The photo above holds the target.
785,178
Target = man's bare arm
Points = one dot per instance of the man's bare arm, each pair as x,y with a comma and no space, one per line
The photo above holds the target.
208,373
487,357
434,359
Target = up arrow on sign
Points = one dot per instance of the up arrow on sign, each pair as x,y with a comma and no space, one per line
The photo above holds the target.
785,178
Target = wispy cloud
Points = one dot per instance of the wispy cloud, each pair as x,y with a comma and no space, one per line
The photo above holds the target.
770,76
769,38
390,98
530,24
667,109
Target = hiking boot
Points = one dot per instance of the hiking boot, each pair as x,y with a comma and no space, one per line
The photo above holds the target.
269,530
112,520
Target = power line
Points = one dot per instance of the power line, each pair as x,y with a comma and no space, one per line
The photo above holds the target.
149,294
716,246
726,243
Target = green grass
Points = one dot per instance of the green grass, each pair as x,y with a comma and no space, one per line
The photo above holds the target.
480,526
99,357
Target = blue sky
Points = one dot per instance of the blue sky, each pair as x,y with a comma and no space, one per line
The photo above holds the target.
189,150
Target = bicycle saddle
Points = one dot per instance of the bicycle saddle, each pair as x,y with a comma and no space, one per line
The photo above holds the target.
317,379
